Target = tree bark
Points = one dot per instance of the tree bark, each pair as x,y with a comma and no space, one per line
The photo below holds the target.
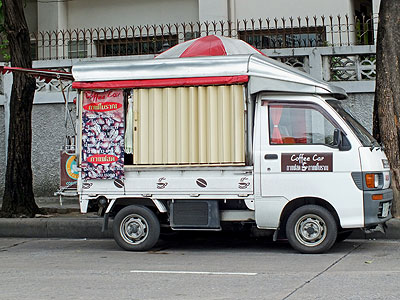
387,93
18,199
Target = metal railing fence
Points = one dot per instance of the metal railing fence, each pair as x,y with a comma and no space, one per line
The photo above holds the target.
152,39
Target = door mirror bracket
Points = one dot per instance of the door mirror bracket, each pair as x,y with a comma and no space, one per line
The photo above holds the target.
340,140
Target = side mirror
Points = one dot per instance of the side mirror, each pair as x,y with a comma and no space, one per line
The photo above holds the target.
336,138
341,141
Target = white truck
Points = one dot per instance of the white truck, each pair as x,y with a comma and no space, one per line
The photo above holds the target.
211,141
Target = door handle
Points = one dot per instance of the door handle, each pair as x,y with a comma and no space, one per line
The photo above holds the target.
271,156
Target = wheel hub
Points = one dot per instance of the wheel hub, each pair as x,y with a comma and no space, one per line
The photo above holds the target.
310,230
134,229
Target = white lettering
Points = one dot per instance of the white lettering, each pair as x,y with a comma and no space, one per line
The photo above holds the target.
318,158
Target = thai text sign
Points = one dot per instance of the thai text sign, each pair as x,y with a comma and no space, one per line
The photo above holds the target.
306,162
103,135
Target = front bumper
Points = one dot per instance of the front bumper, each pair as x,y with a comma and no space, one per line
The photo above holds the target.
375,210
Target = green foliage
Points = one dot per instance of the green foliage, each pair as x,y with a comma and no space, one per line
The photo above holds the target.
3,40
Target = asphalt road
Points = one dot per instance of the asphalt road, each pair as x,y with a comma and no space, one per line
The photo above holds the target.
185,268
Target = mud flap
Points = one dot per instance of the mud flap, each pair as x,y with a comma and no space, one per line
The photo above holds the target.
105,223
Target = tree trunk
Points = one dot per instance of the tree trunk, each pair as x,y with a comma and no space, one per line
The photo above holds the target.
18,199
387,93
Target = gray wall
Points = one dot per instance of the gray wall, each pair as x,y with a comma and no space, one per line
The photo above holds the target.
361,105
48,133
47,140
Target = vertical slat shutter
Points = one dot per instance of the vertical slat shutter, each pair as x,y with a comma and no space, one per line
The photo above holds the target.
189,125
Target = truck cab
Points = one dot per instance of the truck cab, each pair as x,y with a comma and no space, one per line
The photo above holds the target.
317,161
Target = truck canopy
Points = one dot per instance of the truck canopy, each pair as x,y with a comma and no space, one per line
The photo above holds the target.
261,73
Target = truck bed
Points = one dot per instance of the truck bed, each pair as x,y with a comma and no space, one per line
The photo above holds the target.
230,182
183,182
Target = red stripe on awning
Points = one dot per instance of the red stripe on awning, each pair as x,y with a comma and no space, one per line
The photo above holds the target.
205,46
167,82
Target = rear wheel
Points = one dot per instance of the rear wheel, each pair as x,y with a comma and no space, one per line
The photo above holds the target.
311,229
136,228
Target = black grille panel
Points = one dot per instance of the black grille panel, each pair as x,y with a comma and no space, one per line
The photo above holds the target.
194,214
380,209
188,213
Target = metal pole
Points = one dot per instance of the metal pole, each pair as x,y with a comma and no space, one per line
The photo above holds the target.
6,85
66,104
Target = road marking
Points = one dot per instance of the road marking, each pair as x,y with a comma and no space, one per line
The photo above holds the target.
194,273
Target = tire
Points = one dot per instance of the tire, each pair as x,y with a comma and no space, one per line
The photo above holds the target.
311,229
341,236
136,228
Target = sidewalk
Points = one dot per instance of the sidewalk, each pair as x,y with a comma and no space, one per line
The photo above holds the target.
61,221
65,221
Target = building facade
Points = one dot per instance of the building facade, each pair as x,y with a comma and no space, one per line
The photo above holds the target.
333,41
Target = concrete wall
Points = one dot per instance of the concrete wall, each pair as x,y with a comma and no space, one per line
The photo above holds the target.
47,140
288,8
130,12
47,14
48,134
103,13
31,14
361,105
213,10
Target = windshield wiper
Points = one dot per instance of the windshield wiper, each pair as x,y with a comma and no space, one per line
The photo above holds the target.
377,145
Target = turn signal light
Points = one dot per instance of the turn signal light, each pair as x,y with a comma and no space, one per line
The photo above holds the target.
377,197
371,180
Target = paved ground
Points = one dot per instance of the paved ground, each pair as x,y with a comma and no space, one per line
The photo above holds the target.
65,221
184,267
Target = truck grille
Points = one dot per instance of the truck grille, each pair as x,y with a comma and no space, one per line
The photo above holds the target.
380,209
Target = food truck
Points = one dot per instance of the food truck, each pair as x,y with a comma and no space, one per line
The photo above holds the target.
200,143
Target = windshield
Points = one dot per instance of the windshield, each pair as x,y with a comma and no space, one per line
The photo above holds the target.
366,139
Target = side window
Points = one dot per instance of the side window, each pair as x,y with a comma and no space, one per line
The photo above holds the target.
299,124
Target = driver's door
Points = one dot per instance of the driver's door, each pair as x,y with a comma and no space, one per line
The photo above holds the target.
298,159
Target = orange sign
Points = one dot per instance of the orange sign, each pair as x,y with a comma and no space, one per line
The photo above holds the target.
102,106
102,159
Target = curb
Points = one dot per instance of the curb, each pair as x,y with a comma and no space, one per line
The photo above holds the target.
61,227
90,227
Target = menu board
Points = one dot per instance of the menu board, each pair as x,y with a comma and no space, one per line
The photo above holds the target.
103,135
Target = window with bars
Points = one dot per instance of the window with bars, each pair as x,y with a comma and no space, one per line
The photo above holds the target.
77,49
135,46
191,35
285,37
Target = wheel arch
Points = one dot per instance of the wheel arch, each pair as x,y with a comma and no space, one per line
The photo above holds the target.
155,205
301,201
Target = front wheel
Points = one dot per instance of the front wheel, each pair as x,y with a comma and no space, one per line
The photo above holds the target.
136,228
311,229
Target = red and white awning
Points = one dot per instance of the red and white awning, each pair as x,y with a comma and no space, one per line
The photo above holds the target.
210,45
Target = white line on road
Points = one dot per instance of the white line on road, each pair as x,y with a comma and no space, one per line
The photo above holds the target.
194,273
